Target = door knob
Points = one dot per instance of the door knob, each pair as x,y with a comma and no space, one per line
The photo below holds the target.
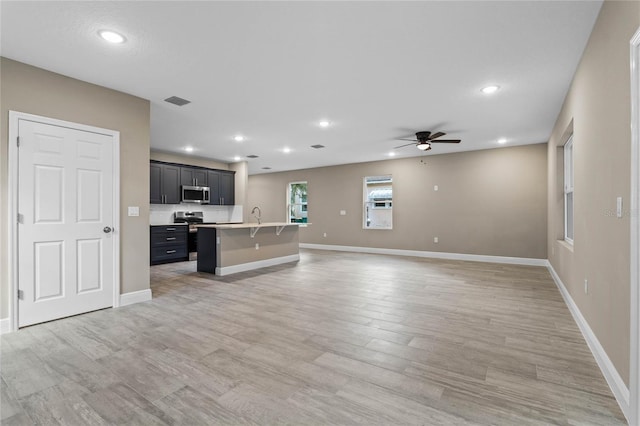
107,229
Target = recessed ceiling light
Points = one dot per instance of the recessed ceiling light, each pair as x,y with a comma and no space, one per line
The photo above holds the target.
188,148
392,154
238,138
502,141
490,89
286,150
324,123
236,158
111,36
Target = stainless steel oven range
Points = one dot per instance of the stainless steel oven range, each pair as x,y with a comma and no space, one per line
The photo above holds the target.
193,219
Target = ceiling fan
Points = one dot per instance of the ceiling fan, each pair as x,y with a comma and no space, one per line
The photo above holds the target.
424,140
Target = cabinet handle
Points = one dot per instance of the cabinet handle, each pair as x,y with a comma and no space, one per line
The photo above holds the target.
171,238
170,251
171,229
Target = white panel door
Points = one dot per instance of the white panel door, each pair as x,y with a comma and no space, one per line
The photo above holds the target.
65,243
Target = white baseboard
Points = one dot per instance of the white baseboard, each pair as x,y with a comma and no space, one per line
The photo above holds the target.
5,325
616,383
227,270
135,297
430,254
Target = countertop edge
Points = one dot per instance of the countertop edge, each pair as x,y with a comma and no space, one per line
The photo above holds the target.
251,225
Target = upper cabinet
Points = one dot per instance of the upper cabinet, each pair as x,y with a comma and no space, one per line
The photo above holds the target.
191,176
166,180
227,188
164,183
222,186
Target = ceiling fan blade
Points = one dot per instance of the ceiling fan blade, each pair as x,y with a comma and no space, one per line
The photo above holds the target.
406,139
436,135
407,144
446,141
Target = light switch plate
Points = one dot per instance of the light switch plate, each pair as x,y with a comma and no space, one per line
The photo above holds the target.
133,211
435,187
343,212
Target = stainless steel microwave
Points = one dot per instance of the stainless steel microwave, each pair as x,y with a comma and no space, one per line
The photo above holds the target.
195,194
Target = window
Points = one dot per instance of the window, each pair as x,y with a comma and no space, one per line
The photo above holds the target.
378,202
297,202
568,191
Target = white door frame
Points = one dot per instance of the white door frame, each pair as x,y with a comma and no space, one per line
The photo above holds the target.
634,356
12,251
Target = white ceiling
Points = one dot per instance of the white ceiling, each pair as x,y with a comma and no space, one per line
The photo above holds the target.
272,70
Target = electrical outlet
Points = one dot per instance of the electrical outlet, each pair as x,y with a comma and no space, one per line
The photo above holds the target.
343,212
586,286
435,239
257,246
324,235
435,187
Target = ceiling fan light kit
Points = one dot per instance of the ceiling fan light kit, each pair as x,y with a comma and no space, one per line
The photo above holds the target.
424,139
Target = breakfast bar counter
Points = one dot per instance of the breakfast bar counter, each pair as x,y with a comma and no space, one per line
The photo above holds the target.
229,248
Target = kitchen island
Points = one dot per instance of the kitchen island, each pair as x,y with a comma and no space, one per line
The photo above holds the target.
225,249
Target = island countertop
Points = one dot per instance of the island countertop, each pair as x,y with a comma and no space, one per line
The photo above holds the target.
250,225
235,247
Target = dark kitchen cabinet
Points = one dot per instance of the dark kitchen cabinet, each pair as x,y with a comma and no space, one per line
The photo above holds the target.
213,177
227,188
222,186
164,183
166,180
155,192
169,244
207,258
190,176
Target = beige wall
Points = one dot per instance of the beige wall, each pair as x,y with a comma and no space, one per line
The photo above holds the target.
598,108
190,160
490,202
241,183
36,91
238,247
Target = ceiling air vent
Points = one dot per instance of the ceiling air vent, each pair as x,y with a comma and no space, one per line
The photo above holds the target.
252,156
317,146
177,101
266,168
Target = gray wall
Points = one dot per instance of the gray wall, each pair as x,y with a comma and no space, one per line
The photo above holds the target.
36,91
491,202
597,108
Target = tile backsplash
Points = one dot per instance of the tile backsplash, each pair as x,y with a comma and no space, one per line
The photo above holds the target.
162,214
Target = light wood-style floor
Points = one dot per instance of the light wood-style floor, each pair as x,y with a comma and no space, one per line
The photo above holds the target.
339,338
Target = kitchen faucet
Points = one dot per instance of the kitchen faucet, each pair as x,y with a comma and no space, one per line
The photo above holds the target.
258,215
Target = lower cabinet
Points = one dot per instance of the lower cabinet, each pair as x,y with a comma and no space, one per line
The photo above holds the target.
169,244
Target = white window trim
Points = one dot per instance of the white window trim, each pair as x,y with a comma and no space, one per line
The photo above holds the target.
569,188
288,204
365,202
